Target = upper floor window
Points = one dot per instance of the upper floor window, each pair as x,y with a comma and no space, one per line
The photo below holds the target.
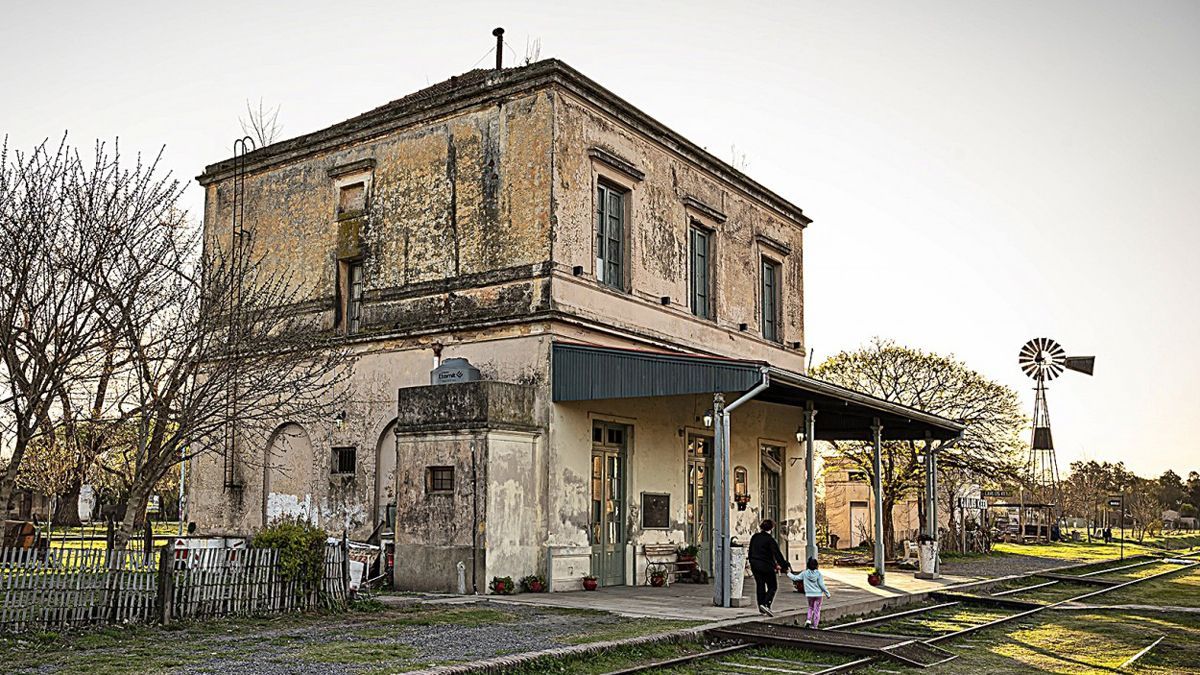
350,295
610,235
770,278
343,461
700,267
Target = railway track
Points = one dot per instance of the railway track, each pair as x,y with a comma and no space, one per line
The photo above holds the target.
911,636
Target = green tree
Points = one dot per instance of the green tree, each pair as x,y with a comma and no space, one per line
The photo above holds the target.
991,448
1170,490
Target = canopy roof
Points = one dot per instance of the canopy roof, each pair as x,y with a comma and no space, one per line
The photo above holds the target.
586,372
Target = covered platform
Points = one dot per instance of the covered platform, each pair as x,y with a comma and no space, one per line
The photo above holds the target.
826,412
851,595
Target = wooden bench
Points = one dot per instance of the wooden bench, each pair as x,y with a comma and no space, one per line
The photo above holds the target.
667,557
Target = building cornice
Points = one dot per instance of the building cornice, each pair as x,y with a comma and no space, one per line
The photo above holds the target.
490,88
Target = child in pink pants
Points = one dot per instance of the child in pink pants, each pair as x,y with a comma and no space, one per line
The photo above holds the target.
814,590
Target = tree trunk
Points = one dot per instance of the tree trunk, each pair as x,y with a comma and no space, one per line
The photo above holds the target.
135,511
889,528
67,512
8,481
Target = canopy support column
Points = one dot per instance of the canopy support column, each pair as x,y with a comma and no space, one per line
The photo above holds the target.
810,491
877,458
722,572
720,551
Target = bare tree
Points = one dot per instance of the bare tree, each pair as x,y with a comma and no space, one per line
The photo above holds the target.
990,448
124,332
261,123
49,326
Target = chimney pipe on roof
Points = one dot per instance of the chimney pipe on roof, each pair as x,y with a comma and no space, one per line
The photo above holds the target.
499,33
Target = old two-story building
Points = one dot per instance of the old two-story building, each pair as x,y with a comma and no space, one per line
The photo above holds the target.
604,275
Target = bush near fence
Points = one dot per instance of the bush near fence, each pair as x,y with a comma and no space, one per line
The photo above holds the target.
72,587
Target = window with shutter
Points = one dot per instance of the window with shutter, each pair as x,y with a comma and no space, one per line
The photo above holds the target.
770,300
701,272
610,236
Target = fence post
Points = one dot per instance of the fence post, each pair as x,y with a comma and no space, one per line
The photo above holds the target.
345,567
166,583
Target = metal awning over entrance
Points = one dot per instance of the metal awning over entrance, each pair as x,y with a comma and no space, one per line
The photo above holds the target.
585,373
582,372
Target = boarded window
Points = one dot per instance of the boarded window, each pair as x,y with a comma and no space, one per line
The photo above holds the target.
343,461
770,278
352,199
701,272
610,236
439,479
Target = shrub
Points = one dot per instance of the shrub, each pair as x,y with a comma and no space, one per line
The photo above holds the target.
301,547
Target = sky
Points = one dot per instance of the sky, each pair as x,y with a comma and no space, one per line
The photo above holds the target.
979,174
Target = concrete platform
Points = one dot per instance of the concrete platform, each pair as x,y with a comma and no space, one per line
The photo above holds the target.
851,595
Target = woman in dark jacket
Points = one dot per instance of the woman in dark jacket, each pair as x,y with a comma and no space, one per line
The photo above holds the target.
764,555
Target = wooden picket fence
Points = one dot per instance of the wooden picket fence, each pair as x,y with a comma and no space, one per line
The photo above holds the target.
71,587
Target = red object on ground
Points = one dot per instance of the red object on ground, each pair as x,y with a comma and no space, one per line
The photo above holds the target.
589,584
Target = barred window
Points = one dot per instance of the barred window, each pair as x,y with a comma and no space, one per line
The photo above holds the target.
439,479
344,460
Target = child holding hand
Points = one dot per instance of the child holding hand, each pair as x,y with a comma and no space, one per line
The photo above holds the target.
814,590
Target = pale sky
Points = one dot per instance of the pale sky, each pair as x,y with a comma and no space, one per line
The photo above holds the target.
979,173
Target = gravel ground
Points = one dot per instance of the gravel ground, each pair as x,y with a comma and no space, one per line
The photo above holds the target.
401,638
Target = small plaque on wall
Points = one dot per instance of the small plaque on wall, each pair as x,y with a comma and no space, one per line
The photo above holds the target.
656,511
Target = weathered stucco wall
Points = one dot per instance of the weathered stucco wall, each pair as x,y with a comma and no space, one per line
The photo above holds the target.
457,225
301,478
662,204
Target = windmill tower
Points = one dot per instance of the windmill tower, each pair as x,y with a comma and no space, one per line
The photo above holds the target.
1043,360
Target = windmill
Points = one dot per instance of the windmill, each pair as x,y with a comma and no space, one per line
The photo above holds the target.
1043,360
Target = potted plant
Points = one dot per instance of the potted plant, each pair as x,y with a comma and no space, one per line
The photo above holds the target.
658,575
502,585
687,553
590,583
534,583
875,578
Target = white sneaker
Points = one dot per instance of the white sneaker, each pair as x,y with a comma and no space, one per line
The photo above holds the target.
808,624
763,609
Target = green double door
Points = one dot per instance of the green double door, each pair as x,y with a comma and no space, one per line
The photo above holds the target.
608,532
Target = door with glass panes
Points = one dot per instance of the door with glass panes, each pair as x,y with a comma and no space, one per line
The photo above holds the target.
608,502
699,497
772,465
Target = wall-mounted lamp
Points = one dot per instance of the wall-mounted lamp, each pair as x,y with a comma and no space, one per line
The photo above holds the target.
800,436
339,420
708,418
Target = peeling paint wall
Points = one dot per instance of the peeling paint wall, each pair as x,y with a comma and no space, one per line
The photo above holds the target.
662,204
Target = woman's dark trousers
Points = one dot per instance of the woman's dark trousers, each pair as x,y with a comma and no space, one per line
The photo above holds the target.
765,584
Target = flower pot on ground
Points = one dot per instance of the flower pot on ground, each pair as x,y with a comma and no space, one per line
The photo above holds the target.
875,579
502,585
534,583
590,583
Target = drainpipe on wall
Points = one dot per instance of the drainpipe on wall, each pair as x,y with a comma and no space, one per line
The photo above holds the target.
474,518
721,562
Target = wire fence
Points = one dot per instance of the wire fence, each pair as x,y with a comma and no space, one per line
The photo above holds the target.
60,588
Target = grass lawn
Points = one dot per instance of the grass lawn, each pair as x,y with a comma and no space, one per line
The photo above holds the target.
1071,551
1180,590
370,639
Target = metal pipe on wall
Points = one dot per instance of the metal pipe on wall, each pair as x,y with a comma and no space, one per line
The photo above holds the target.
721,562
